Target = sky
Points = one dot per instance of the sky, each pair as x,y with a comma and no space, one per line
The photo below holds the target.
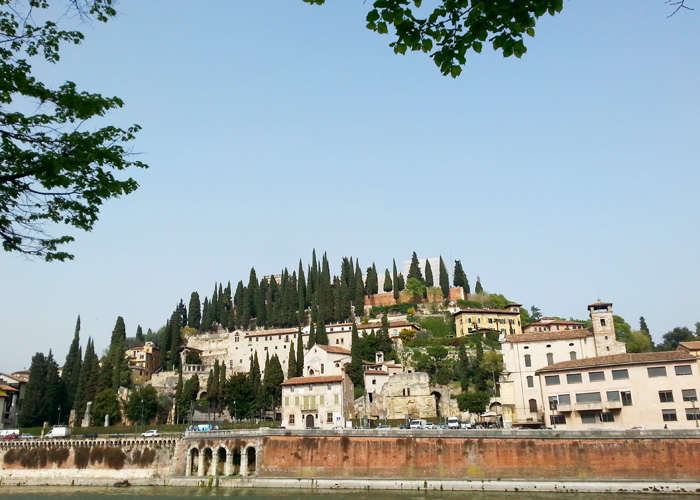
272,127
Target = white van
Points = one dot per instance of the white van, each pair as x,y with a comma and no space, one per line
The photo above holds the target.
453,423
418,424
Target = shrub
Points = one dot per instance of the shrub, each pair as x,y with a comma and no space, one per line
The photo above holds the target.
470,303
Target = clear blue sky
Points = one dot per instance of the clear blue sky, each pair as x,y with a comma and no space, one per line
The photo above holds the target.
275,127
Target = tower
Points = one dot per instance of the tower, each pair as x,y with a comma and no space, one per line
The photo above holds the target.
604,329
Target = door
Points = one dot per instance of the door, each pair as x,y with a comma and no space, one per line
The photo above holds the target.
309,421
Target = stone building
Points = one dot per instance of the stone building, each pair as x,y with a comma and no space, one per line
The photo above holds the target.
524,354
143,362
323,396
552,325
505,321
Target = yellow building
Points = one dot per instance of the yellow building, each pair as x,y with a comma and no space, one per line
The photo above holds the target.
143,362
505,321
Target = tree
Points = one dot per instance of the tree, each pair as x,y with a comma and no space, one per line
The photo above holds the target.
300,353
272,385
188,396
643,325
139,334
88,381
70,376
399,284
52,169
416,289
674,337
396,283
312,337
354,369
106,403
473,402
43,394
359,295
142,405
194,319
460,278
535,314
321,335
478,288
447,30
492,364
119,364
639,342
444,280
414,270
428,274
388,284
240,396
292,361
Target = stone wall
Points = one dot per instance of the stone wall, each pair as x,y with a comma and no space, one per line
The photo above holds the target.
104,457
482,455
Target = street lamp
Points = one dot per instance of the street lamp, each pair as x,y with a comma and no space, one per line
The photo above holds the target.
695,415
235,422
59,415
142,413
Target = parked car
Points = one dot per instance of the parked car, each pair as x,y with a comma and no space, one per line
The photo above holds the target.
26,435
453,423
441,426
466,425
383,427
58,432
404,426
11,436
418,424
429,425
150,434
90,435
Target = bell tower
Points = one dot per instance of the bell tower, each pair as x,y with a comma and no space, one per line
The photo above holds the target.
604,330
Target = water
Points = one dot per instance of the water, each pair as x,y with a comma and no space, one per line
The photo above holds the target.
162,493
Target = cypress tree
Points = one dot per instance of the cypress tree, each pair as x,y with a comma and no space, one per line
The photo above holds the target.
194,319
396,283
460,278
301,296
359,301
264,291
375,280
272,386
238,301
355,371
388,283
175,341
300,353
70,375
87,383
207,319
414,269
252,293
321,336
312,337
292,361
478,288
120,368
384,343
178,393
428,274
444,279
399,284
215,306
139,334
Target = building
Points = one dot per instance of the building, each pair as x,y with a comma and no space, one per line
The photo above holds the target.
323,396
143,362
506,321
13,387
690,347
552,325
525,353
652,390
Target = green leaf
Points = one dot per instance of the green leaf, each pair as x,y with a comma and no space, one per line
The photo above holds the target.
382,28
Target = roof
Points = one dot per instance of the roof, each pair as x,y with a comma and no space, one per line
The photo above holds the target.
620,359
693,345
553,321
333,349
8,388
542,336
394,324
600,304
265,333
470,310
18,379
313,380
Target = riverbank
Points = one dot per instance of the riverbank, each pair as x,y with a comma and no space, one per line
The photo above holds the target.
26,478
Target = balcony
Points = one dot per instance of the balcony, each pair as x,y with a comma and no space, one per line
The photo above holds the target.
613,405
598,405
564,408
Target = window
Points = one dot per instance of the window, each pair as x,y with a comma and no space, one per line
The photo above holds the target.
666,396
530,382
557,419
626,398
573,378
490,320
656,371
620,374
588,418
286,401
692,413
296,400
607,417
550,358
669,415
321,368
322,399
551,380
533,405
588,397
336,399
564,399
602,322
311,387
374,381
291,419
329,418
683,370
553,403
572,355
689,395
596,376
528,361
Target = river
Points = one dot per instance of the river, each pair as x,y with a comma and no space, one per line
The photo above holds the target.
165,493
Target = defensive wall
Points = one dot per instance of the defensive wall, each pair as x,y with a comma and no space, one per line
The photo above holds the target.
394,456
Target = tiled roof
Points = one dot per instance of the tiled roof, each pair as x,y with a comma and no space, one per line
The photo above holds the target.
469,310
265,333
313,380
542,336
691,345
394,324
545,322
620,359
333,349
18,379
8,388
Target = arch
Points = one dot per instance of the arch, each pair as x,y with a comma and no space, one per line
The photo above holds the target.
251,455
309,420
193,462
437,397
206,461
221,455
550,358
533,405
235,461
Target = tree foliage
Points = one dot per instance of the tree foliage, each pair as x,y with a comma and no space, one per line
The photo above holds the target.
53,169
142,405
473,401
447,29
